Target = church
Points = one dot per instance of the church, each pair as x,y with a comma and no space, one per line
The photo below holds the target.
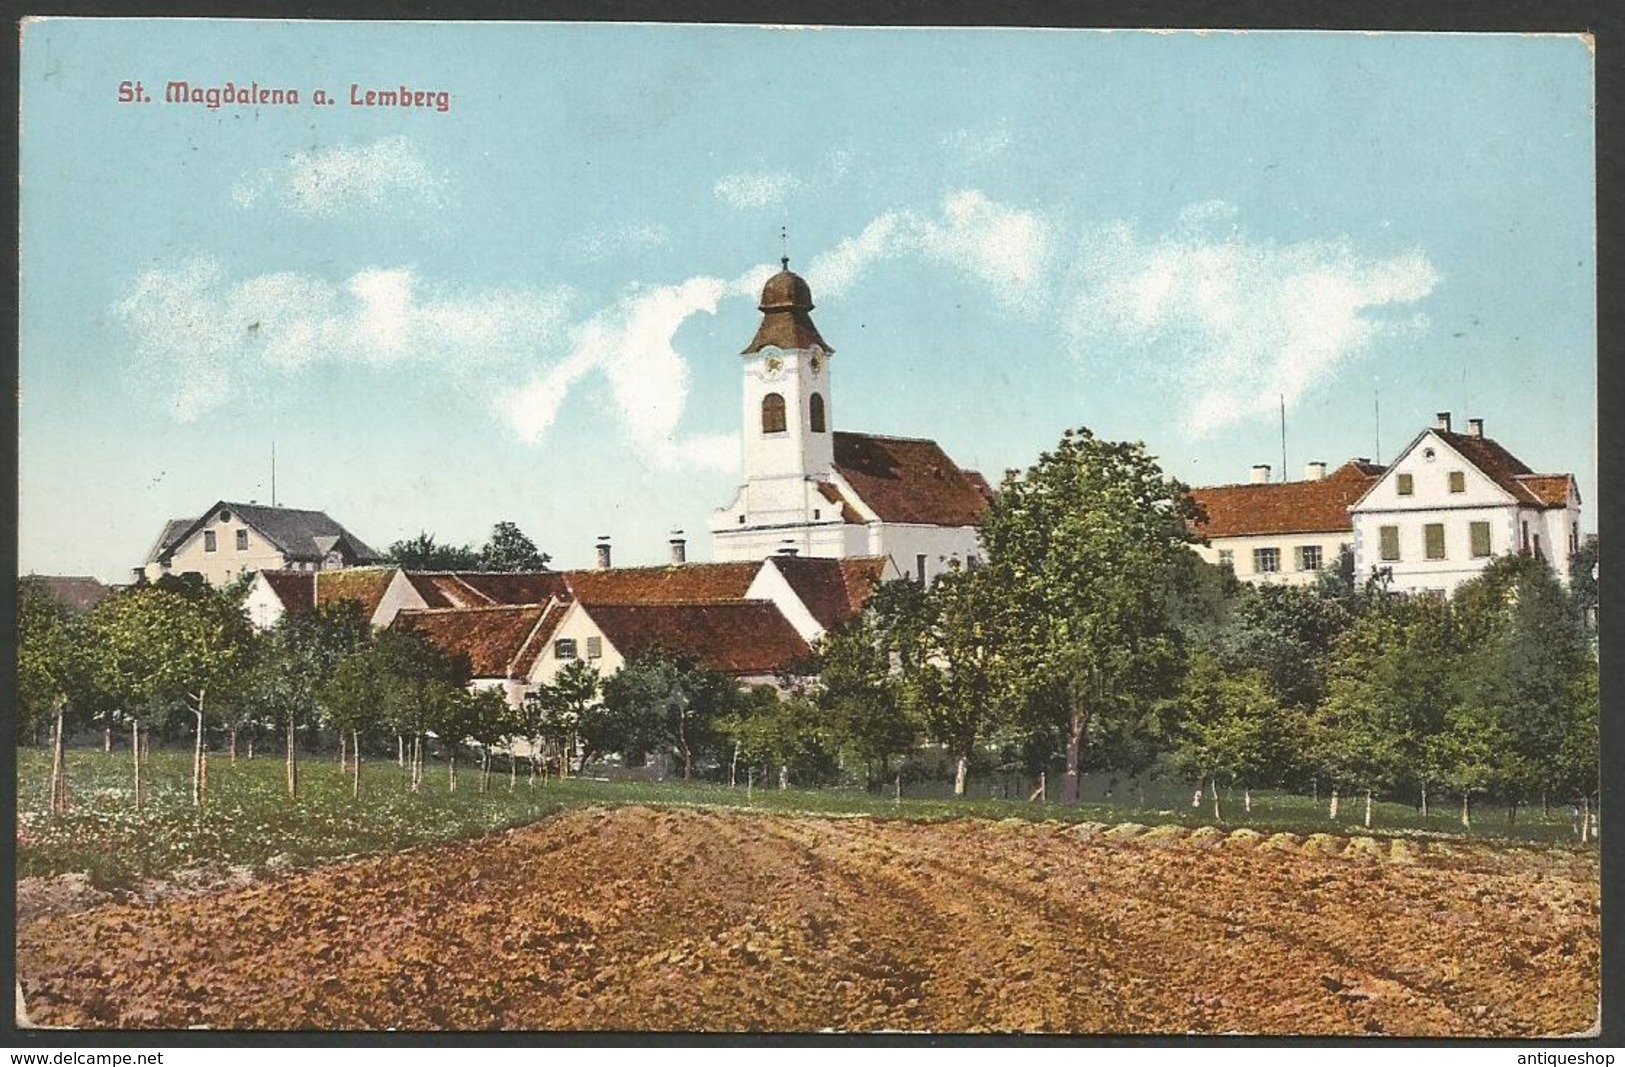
813,490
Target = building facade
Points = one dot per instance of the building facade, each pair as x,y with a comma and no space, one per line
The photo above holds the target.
1282,533
231,539
811,490
1452,502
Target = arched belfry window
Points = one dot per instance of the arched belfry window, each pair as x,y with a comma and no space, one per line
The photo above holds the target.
815,413
773,413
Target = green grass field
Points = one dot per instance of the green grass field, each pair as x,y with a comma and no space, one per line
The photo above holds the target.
250,821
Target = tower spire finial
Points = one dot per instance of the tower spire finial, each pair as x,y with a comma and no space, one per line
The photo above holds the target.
784,247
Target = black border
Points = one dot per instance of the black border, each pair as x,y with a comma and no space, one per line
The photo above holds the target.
1602,20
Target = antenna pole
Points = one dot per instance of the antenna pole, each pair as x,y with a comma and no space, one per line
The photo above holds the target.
1283,436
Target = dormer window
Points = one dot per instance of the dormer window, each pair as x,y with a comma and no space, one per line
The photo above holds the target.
773,413
815,413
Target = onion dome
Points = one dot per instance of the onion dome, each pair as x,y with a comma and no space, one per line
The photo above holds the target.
786,301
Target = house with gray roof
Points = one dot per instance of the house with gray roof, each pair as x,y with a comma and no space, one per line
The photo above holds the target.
232,539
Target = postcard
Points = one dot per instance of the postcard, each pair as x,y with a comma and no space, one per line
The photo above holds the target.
718,529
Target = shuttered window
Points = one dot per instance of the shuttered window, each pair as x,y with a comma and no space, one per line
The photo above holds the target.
1433,539
773,413
1389,536
1458,481
1407,485
1480,536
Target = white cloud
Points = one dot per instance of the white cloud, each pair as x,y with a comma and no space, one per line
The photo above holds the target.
610,241
390,176
632,344
1240,322
749,191
199,337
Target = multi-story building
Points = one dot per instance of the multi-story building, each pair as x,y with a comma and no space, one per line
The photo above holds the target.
1282,532
816,491
230,540
1452,502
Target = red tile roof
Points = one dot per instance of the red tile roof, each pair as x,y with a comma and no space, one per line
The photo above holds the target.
740,638
1499,465
296,589
365,585
1552,490
832,493
908,479
834,590
445,589
680,584
1285,507
528,587
500,641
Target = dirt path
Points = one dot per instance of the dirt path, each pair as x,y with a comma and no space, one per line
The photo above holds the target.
639,919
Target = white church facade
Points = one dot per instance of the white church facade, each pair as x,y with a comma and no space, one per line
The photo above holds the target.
811,490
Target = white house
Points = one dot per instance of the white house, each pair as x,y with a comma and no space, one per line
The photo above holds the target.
231,539
1452,501
825,493
1282,533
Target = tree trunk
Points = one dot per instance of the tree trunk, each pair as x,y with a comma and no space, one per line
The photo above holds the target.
1467,810
1585,819
733,768
750,782
416,774
355,781
1424,800
1247,800
897,787
1545,807
513,767
400,751
960,772
107,743
232,733
1368,809
135,755
198,784
1196,796
293,761
1078,723
1041,793
59,764
451,772
1217,815
485,770
784,776
251,744
1512,813
1332,812
343,763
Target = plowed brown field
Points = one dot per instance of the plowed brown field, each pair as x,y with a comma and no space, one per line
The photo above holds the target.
636,919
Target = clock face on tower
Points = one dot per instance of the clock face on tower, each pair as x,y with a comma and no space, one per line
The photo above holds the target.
817,364
773,365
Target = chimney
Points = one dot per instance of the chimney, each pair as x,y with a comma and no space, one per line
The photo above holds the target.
603,552
1364,461
1475,427
1261,473
1443,422
679,548
1315,471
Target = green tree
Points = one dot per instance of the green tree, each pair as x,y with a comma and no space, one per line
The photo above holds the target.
421,678
424,553
1082,550
1287,632
356,695
674,701
858,690
570,717
50,668
1233,728
167,642
508,549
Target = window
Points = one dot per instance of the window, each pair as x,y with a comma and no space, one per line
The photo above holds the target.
1526,538
208,540
242,540
1479,534
1458,482
919,566
1227,558
595,648
1309,557
1389,538
972,562
1433,540
773,413
815,413
1574,538
1266,560
818,513
1407,485
564,648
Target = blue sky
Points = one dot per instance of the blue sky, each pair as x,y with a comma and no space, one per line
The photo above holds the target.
529,306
